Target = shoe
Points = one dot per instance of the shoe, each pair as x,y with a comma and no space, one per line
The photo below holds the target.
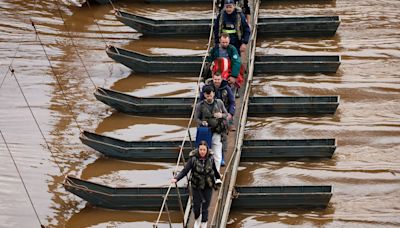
222,162
218,182
204,225
232,128
197,223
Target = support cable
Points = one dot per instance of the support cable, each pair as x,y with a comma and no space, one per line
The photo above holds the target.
22,180
73,43
15,54
97,24
12,61
34,118
101,34
187,134
57,79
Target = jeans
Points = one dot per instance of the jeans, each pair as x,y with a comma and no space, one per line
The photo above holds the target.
216,147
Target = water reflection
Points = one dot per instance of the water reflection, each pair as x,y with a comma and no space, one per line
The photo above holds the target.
169,46
295,217
364,170
132,128
104,166
119,173
95,217
157,85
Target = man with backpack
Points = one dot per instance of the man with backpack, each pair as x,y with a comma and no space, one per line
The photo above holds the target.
231,20
212,113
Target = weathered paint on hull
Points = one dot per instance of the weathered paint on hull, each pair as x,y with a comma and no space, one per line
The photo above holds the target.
252,150
257,150
140,198
192,64
182,107
150,198
276,197
267,26
137,150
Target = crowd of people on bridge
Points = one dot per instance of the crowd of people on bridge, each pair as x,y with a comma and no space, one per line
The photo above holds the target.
216,108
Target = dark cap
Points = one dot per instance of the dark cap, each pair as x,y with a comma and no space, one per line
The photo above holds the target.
208,89
228,2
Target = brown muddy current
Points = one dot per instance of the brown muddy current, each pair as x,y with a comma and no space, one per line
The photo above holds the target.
365,169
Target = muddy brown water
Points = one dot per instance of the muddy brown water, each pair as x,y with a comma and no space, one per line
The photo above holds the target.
364,171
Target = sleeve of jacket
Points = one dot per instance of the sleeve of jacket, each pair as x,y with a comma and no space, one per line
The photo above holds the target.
235,61
216,29
221,106
246,29
217,175
231,99
211,55
185,170
197,114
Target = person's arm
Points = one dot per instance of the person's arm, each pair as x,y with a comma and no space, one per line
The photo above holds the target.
185,170
246,29
231,99
221,105
216,173
235,61
198,115
210,57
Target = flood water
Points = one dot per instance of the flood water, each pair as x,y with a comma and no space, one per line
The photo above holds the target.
364,171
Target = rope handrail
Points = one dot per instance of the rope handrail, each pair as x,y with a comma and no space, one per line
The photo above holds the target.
73,43
22,180
180,156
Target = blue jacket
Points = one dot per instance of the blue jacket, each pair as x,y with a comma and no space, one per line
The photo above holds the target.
225,94
231,19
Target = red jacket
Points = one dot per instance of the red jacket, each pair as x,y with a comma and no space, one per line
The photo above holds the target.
223,65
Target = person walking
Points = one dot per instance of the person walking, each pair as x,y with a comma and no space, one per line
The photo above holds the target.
225,50
204,177
232,21
212,113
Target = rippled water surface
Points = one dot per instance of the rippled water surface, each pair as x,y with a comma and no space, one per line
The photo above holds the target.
364,170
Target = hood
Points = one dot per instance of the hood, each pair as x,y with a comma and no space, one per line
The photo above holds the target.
195,152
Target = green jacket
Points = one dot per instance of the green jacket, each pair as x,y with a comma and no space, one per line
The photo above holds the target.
233,56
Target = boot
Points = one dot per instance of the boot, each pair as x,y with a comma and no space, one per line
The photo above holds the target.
197,223
204,225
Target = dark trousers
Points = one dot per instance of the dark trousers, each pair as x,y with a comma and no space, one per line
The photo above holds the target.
201,201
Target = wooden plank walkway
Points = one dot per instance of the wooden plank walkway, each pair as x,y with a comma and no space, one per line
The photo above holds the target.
220,207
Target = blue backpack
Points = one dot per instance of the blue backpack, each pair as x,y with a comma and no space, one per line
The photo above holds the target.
203,133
